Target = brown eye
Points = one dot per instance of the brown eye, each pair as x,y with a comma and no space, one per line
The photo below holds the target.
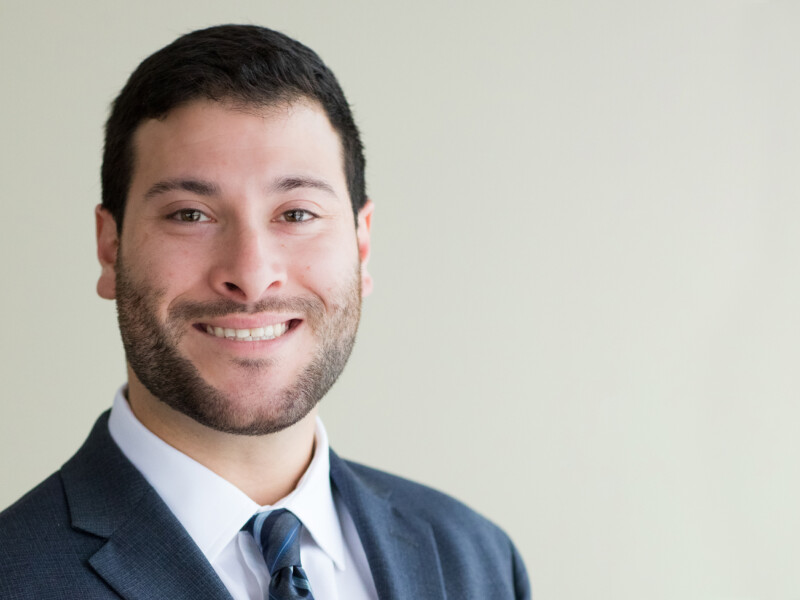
297,216
189,215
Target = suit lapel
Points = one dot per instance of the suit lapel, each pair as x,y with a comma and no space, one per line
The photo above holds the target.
150,553
400,547
147,553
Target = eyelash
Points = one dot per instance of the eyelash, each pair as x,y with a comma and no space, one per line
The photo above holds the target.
309,215
178,214
285,216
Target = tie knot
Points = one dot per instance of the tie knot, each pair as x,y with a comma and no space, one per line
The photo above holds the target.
277,534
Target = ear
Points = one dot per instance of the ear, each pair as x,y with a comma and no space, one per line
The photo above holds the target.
107,247
362,235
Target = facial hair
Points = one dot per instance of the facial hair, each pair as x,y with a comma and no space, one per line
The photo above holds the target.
151,348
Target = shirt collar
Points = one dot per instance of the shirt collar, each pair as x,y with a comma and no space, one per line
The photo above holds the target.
210,508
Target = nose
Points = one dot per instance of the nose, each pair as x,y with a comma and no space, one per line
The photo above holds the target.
247,265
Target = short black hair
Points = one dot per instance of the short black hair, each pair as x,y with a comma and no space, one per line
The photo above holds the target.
244,64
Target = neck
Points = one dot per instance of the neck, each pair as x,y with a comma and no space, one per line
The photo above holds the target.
265,467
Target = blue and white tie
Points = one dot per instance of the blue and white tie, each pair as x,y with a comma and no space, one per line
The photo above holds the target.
277,534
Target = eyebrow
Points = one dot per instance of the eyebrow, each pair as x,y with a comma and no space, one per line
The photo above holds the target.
194,186
206,188
287,184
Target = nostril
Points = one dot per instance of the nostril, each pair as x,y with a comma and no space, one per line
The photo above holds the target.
231,286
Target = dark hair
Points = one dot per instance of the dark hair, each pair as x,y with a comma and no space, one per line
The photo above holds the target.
241,63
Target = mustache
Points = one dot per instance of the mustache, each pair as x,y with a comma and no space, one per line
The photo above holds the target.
193,311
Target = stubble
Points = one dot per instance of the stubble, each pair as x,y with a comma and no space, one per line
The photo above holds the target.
151,348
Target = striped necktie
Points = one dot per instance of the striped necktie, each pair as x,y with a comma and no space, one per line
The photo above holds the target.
277,534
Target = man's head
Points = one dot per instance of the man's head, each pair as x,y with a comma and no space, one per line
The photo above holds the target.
233,177
241,64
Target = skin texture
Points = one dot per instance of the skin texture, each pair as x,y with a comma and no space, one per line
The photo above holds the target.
237,217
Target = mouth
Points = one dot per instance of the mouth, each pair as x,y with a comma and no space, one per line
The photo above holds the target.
255,334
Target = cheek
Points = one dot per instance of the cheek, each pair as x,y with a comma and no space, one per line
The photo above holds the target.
182,265
172,269
325,269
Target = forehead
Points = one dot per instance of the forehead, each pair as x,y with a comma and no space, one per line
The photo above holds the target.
223,139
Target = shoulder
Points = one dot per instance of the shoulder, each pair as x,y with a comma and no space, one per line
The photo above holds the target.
38,546
44,551
27,516
468,544
431,504
454,523
44,512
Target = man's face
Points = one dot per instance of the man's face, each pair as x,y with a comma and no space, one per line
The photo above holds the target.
239,272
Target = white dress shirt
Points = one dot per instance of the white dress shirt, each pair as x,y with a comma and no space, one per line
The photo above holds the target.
213,511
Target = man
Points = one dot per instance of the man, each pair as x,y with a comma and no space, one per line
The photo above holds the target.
234,234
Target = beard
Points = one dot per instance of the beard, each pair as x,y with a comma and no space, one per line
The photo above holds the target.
151,348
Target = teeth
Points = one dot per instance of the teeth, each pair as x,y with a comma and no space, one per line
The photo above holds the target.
257,334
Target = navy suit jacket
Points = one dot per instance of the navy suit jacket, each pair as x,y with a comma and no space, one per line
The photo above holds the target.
97,529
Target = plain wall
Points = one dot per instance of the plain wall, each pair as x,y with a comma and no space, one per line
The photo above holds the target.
585,321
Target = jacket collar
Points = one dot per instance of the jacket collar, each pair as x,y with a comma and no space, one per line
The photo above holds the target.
107,497
400,546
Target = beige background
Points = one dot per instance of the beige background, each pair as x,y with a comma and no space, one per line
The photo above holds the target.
585,322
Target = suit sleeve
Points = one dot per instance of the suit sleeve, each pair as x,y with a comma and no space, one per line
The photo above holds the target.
522,585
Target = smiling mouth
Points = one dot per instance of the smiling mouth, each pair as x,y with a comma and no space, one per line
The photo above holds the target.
256,334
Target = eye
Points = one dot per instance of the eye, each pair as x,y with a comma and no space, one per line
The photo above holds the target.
297,215
189,215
